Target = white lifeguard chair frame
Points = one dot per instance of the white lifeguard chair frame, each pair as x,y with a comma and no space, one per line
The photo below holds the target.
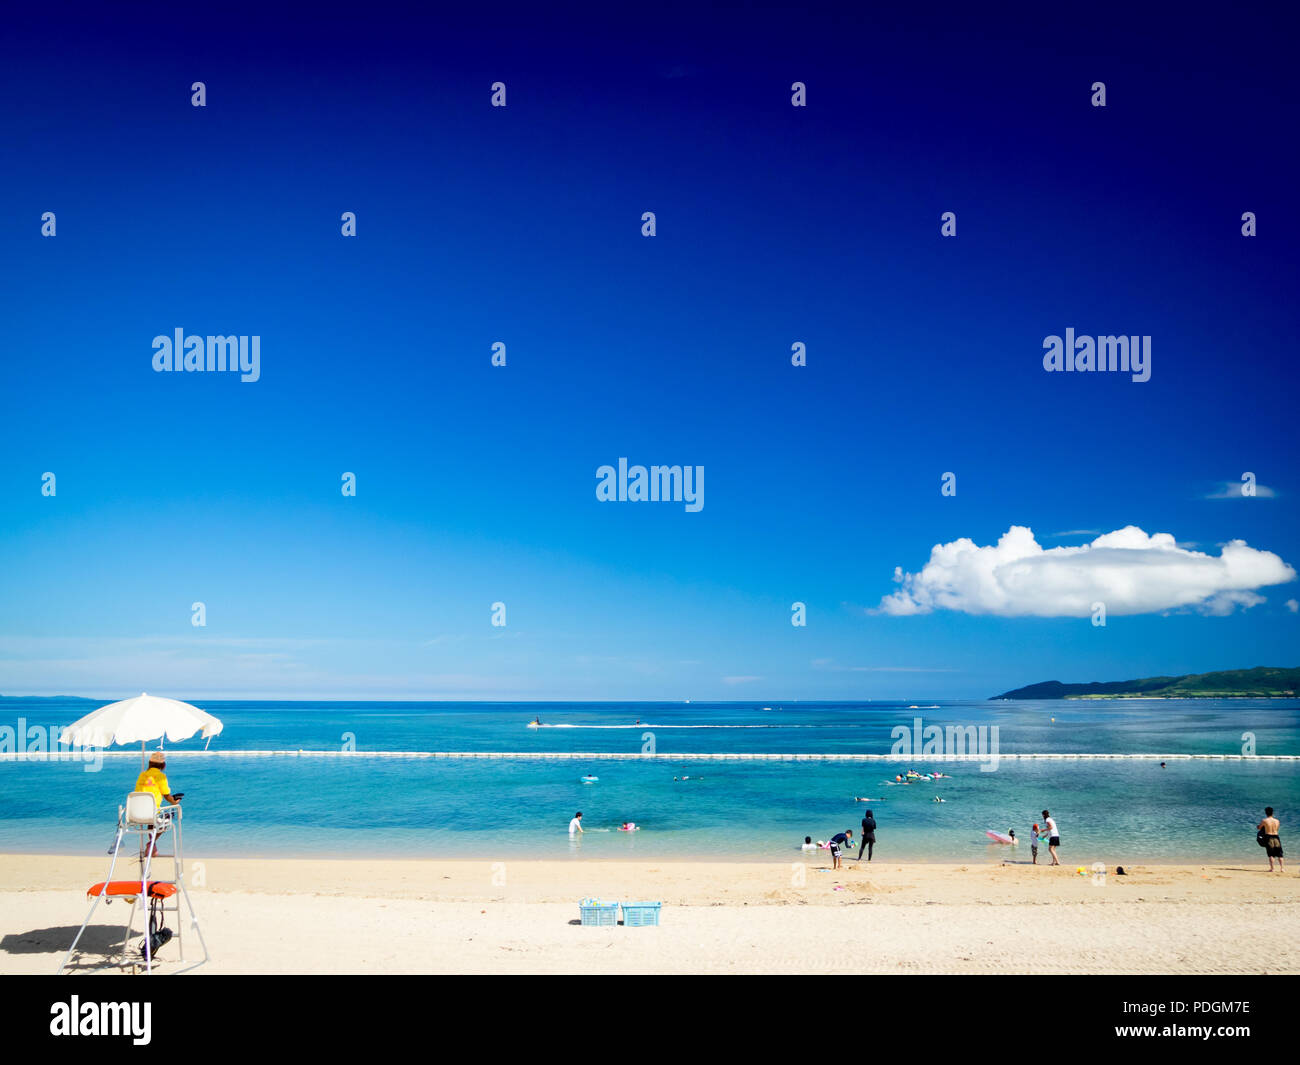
141,817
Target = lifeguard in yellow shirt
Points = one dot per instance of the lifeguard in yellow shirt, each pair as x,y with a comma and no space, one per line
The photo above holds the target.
154,781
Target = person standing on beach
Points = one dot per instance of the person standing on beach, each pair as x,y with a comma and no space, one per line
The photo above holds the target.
1053,837
868,835
1269,828
840,839
575,826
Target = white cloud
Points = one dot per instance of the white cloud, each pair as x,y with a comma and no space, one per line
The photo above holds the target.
1232,490
1129,571
1292,605
740,680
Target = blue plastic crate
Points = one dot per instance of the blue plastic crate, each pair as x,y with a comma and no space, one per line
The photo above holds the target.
597,913
641,914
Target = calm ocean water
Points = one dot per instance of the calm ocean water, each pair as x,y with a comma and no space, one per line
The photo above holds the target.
1108,811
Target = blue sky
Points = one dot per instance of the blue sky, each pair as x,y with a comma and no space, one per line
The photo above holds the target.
522,225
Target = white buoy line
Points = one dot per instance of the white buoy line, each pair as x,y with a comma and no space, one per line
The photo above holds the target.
682,756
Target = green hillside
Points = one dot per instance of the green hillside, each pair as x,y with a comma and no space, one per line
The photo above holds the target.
1262,682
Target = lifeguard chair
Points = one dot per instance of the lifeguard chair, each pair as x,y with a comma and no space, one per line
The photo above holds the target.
142,819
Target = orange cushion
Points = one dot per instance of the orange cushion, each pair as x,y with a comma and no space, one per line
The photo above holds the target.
157,889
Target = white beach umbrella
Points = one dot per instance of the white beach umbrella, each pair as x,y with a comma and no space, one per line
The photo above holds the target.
139,720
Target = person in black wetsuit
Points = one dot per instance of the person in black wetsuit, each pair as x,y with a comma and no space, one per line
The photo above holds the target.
868,835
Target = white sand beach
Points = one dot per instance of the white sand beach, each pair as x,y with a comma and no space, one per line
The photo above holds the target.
392,916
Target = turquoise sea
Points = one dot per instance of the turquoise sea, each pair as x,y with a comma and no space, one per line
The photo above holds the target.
259,805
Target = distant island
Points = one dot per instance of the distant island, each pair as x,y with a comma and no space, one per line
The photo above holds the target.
1262,682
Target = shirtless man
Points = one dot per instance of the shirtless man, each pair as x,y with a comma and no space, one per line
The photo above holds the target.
1272,844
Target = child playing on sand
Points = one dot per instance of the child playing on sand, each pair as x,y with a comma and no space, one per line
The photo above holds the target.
1033,842
840,839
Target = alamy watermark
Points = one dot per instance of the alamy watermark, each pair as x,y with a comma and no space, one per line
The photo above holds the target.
1114,354
655,484
92,1018
956,741
40,743
196,354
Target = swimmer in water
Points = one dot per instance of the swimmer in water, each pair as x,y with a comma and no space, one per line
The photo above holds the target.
937,799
